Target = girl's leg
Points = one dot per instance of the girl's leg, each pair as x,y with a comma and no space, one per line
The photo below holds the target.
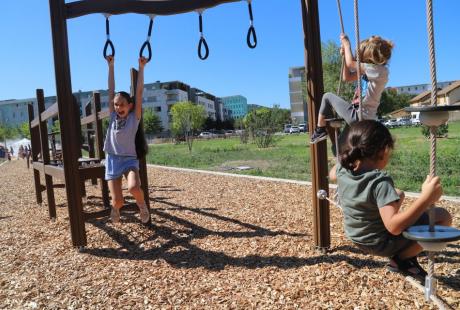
442,217
117,198
134,187
343,109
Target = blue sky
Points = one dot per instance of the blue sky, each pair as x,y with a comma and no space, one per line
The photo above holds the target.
232,68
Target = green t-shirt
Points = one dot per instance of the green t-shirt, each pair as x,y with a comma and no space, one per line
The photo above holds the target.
361,195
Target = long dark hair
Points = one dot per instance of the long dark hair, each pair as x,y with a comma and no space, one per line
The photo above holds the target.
140,141
365,139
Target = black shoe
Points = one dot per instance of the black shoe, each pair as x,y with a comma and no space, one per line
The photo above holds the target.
319,134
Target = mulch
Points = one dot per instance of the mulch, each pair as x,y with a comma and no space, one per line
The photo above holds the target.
216,242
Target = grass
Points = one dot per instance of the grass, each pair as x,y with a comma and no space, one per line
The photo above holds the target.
290,158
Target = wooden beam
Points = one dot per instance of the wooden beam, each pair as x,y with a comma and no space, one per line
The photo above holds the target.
88,119
50,112
169,7
67,121
314,74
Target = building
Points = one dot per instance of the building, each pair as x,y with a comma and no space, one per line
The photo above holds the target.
417,89
298,100
237,104
158,96
449,95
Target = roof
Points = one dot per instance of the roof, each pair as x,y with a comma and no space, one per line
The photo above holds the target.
446,90
420,96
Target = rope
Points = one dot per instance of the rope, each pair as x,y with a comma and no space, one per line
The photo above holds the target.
358,60
251,30
147,41
434,92
108,42
434,95
342,28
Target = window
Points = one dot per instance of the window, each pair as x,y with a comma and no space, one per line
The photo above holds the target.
157,109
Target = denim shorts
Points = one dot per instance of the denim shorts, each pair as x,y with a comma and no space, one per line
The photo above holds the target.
392,245
116,166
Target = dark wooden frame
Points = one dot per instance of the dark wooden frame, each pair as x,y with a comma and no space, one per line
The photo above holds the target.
60,12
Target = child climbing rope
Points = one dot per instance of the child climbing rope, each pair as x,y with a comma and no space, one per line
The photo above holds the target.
120,146
375,53
371,205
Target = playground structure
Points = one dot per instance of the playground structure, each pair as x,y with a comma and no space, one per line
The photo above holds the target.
87,168
73,173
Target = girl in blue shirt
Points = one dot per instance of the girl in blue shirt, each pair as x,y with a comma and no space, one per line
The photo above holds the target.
120,146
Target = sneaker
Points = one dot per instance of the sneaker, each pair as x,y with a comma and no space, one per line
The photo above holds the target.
144,213
115,215
319,134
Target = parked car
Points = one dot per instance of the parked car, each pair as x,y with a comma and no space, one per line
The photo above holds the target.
391,123
415,122
206,135
294,129
405,122
303,127
287,128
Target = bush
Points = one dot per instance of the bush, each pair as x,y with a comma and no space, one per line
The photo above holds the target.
440,133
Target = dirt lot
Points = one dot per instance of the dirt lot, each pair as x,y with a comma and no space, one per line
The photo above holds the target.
216,243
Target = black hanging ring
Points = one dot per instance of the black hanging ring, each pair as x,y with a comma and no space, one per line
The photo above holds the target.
251,32
149,49
107,44
202,39
147,42
206,48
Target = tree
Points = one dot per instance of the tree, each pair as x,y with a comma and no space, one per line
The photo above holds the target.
152,122
24,130
263,123
391,101
332,61
187,118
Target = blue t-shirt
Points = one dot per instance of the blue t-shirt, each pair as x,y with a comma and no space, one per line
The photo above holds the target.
121,134
361,195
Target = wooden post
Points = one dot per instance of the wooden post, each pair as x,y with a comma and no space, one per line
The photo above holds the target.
35,144
314,75
67,121
90,136
43,128
142,161
98,141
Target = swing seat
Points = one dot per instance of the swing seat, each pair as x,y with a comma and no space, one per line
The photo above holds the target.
432,240
335,122
434,116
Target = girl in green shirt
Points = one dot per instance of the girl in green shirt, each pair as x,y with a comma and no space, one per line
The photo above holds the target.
373,218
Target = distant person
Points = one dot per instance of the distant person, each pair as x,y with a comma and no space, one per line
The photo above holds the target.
28,152
375,53
21,152
371,204
11,151
121,148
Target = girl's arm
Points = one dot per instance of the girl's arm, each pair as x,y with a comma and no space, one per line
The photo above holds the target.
333,173
111,81
349,70
396,222
140,87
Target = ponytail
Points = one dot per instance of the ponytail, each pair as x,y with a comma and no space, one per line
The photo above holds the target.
365,139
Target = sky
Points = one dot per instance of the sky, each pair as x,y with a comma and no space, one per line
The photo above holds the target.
260,74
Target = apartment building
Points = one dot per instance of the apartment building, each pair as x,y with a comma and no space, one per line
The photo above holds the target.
298,101
418,89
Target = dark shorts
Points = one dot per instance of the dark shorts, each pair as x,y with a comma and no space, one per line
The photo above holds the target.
116,166
393,244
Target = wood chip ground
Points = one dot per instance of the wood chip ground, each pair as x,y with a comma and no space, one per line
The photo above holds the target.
216,242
